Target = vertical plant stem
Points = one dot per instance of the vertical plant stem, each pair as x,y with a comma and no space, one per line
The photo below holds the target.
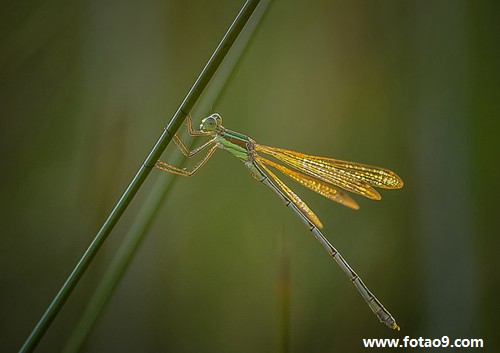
151,205
165,138
119,263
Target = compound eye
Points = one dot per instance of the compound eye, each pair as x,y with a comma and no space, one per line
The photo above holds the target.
208,124
211,123
217,118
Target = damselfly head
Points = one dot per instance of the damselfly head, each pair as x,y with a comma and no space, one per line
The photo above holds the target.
211,123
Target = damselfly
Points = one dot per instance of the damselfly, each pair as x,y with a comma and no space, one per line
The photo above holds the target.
325,176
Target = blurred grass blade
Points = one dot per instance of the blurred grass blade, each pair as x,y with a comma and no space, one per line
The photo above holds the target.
165,138
119,264
152,204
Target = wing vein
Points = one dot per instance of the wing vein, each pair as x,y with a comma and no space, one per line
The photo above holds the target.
354,177
301,205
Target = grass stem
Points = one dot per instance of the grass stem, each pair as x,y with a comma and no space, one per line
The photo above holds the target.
189,101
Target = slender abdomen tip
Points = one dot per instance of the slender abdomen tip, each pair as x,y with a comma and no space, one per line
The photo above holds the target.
394,326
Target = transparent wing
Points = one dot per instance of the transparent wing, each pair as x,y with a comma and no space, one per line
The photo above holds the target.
354,177
314,184
301,205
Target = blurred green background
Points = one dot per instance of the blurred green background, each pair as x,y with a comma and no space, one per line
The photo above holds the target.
86,87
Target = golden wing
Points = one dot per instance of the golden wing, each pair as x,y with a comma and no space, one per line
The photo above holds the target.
355,177
301,205
315,185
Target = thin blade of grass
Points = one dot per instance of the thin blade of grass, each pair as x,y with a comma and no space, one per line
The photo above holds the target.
154,200
188,103
119,264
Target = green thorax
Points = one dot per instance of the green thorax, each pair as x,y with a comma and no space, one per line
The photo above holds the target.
235,143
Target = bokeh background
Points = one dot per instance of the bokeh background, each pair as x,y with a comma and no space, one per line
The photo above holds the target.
86,87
